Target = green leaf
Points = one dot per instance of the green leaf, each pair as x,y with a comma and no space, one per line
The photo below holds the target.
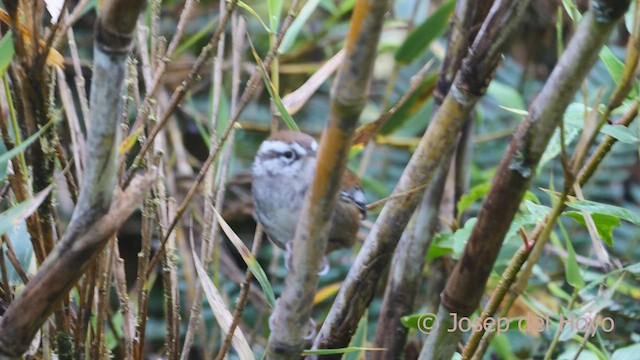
524,219
571,10
6,156
604,224
113,337
538,211
345,6
600,279
461,236
574,115
554,147
572,269
574,118
475,193
23,250
296,26
506,95
620,133
628,17
6,52
420,321
442,244
275,11
606,209
500,344
249,259
329,6
286,117
254,13
626,353
16,214
193,39
634,269
425,33
614,66
411,321
558,292
411,112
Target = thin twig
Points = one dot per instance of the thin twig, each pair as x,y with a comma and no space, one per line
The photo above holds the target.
253,84
11,254
181,90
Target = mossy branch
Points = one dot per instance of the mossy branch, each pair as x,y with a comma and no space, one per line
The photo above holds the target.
96,217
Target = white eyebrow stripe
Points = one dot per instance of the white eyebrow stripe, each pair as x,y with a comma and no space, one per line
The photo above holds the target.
314,146
273,145
299,149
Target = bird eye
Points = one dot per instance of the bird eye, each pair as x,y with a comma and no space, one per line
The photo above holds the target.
288,154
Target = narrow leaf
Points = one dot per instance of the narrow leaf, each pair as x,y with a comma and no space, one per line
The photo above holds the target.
3,165
614,66
130,141
6,52
425,33
16,214
4,158
295,28
220,311
442,244
461,236
620,133
254,13
288,120
604,224
326,292
599,208
572,269
249,259
275,9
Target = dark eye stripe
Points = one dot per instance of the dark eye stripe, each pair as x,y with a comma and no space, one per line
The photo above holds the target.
289,155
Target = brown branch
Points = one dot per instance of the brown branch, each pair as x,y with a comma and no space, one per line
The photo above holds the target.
442,133
350,89
466,285
96,218
63,267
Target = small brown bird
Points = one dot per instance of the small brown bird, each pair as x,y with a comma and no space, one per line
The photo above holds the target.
283,171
